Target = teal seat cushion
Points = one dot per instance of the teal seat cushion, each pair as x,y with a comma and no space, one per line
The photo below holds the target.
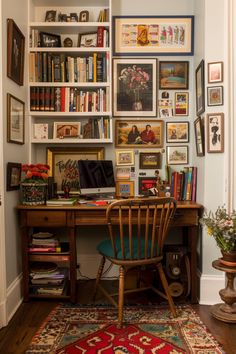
105,248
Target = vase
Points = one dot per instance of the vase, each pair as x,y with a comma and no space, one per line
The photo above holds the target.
137,106
229,258
33,193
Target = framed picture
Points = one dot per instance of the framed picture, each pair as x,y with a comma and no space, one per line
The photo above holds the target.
15,120
124,188
50,16
215,72
40,131
73,17
215,96
165,112
177,132
199,136
200,87
15,52
177,155
149,160
153,35
49,40
13,176
63,130
87,39
146,183
124,157
122,173
215,132
63,164
139,133
181,103
173,75
134,87
84,16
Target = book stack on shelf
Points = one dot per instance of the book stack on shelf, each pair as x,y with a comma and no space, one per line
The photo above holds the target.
44,242
184,183
62,201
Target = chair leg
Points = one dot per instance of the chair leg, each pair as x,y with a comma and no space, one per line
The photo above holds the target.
99,275
166,288
121,296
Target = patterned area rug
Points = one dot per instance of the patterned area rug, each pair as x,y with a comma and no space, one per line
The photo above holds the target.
72,329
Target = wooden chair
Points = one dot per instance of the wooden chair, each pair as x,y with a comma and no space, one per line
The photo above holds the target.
138,242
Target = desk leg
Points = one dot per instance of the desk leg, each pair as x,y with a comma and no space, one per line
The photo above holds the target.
192,237
25,262
73,262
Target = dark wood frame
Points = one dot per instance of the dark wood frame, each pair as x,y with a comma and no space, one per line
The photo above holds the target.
56,37
211,140
186,94
200,88
81,14
220,72
199,136
221,95
163,85
177,140
13,169
172,162
81,35
19,120
15,52
152,166
141,182
50,16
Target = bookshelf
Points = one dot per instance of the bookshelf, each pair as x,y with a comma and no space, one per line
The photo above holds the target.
69,81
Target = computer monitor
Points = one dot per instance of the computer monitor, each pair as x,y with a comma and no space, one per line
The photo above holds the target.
96,177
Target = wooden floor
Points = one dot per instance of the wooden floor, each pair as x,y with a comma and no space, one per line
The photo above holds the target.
15,338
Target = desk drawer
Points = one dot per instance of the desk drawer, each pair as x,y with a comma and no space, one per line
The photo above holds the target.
46,218
185,217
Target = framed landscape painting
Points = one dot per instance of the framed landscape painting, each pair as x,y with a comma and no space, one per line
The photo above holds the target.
173,75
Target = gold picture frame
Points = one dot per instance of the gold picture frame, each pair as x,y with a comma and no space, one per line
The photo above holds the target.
124,157
124,188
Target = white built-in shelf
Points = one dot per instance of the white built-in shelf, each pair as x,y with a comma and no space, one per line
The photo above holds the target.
70,141
49,114
69,49
69,84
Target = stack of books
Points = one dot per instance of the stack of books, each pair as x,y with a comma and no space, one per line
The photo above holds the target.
44,242
184,183
62,201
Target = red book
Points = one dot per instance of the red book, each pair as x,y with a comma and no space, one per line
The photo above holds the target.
100,36
63,99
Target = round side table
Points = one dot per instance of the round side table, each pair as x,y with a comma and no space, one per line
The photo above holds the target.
226,312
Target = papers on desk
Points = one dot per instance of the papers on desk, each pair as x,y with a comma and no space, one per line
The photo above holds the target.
62,201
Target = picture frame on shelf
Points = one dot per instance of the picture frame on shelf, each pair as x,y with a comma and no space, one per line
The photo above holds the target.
173,75
40,131
124,188
124,157
134,87
200,88
215,132
149,160
64,167
15,120
13,176
215,96
153,35
199,136
84,16
145,184
74,17
65,130
215,72
177,155
87,40
122,173
144,133
49,40
15,52
177,132
50,16
181,103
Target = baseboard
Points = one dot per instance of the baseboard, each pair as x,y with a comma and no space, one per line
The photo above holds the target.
14,297
209,288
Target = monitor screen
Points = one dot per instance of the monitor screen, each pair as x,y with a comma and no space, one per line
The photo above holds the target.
96,177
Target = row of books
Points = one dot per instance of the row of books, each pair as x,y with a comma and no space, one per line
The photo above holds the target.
184,184
68,99
103,15
51,282
48,67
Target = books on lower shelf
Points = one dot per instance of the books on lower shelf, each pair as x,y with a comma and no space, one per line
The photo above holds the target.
184,184
61,201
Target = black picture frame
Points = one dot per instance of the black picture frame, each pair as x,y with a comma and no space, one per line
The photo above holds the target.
149,160
200,88
199,136
145,184
13,176
15,120
49,40
50,16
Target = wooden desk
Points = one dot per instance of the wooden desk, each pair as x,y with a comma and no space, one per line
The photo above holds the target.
72,217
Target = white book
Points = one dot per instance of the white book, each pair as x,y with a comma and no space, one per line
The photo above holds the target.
40,131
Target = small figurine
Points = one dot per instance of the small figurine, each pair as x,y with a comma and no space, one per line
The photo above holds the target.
66,191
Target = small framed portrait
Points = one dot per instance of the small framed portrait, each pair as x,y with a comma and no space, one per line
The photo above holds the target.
177,132
63,130
215,72
50,16
124,157
62,17
73,17
199,136
87,39
15,120
122,173
149,160
181,103
200,88
13,176
215,132
215,96
173,75
146,184
165,112
125,188
49,40
177,155
84,16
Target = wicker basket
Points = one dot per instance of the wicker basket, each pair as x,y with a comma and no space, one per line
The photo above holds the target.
33,193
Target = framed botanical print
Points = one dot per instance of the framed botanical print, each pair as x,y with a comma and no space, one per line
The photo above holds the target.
200,87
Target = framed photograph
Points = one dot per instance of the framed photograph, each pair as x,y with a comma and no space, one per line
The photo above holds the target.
122,173
149,160
134,87
50,16
73,17
177,132
215,72
125,188
13,176
165,112
49,40
173,75
87,39
15,120
40,131
124,157
200,88
146,183
84,16
63,164
199,136
177,155
139,133
181,103
215,96
153,35
63,130
15,52
215,132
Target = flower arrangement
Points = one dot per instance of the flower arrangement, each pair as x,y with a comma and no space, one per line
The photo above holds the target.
222,226
35,173
135,79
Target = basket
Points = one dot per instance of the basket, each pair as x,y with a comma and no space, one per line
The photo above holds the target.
33,193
